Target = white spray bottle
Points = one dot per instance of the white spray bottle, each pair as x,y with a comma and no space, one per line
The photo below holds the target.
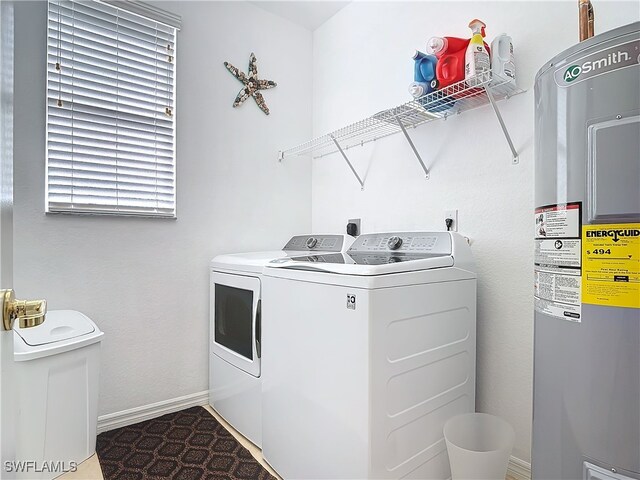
476,60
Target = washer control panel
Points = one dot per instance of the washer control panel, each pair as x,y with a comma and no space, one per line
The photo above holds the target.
325,243
394,243
432,243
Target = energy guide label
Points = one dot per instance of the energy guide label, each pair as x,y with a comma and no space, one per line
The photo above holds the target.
558,261
611,265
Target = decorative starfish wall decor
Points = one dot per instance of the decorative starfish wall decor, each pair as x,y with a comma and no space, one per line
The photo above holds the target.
251,84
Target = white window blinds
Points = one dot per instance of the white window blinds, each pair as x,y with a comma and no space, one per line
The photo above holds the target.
110,111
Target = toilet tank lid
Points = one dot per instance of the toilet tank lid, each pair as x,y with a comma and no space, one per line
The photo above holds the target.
62,330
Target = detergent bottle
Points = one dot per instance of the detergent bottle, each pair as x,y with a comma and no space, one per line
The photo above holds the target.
503,68
477,55
425,82
450,54
440,46
424,75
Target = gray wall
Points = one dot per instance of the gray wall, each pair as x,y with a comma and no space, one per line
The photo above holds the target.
145,281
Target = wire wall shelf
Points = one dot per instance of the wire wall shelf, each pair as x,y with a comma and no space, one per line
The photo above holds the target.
454,99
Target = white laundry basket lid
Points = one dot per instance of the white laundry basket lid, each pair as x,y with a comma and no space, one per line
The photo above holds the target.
62,330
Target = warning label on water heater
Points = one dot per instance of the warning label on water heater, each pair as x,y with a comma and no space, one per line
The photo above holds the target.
558,261
558,221
611,265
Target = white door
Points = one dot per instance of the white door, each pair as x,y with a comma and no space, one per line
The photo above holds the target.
236,322
7,405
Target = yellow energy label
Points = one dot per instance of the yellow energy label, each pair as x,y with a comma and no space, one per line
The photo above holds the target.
611,265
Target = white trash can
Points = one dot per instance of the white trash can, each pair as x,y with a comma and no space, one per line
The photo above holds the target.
57,367
479,446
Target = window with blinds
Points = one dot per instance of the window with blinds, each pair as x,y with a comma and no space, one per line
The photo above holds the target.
110,111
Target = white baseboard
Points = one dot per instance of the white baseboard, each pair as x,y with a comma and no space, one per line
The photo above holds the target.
519,469
153,410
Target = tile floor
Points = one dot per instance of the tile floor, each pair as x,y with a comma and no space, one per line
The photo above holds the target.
90,468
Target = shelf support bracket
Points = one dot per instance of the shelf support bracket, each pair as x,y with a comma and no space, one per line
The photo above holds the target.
515,159
348,162
413,147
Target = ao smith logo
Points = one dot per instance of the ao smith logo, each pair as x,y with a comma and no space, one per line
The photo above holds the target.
616,234
574,71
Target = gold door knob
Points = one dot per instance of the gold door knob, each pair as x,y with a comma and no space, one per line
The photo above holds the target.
30,313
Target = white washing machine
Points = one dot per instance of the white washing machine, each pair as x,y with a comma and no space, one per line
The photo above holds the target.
367,355
235,328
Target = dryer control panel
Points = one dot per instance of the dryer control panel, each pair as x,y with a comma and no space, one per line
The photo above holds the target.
325,243
432,243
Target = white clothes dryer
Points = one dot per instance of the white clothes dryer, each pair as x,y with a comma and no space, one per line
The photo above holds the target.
236,328
369,354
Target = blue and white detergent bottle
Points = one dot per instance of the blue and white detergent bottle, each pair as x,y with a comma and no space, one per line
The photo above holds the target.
425,81
424,75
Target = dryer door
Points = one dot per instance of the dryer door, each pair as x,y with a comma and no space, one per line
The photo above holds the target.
236,318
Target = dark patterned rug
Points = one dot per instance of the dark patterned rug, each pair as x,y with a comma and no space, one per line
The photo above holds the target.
187,445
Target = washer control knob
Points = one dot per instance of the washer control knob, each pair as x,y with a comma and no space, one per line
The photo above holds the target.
312,242
394,243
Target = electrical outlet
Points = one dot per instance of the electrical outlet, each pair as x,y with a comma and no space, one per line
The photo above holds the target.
356,221
453,215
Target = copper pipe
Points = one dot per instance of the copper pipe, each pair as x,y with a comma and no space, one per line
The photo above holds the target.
585,12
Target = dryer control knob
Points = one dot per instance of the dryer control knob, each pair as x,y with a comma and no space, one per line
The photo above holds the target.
311,242
394,243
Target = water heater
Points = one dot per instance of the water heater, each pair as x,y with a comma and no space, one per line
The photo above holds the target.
586,224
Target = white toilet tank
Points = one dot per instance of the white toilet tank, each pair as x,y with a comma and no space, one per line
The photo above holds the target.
57,372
